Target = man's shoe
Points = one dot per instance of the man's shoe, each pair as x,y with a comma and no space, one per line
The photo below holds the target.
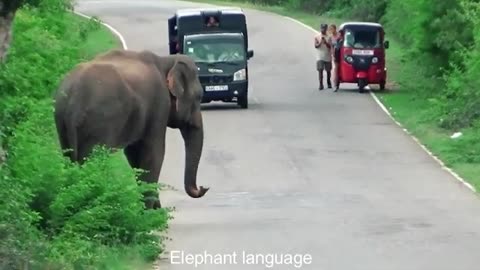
320,87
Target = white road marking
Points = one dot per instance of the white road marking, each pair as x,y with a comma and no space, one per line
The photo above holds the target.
377,100
111,28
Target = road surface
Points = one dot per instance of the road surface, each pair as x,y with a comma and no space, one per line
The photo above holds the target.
301,171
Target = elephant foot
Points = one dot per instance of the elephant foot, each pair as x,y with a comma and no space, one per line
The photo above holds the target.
152,202
156,204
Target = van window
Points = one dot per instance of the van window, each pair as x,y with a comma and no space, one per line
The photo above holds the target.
215,50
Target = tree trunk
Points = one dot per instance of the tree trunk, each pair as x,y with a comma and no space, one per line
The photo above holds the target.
6,23
8,8
7,15
3,155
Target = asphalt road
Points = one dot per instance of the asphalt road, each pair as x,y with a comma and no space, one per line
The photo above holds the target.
302,171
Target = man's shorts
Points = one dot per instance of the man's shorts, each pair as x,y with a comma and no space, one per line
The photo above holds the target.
324,65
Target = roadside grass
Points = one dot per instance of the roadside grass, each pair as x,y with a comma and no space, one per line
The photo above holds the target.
99,40
415,114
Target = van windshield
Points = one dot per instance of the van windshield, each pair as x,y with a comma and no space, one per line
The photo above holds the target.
362,39
213,50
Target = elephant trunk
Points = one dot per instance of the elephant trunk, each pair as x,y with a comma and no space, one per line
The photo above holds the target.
193,137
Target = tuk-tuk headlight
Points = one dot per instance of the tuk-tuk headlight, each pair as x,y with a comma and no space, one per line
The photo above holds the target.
240,75
349,59
375,60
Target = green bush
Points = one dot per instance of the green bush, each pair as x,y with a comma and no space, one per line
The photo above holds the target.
85,208
461,98
367,10
360,10
431,30
55,214
45,46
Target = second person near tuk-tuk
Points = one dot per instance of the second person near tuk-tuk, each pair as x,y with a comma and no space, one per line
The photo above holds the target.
335,37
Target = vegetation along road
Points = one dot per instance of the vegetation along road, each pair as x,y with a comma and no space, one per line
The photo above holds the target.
301,171
322,180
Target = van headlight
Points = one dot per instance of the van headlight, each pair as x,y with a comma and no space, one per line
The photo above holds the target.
375,60
240,75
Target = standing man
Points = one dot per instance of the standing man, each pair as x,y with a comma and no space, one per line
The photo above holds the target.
323,44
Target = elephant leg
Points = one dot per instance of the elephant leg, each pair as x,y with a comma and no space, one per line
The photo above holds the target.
150,159
132,153
62,137
84,150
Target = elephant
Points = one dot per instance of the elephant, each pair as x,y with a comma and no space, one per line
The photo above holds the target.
126,99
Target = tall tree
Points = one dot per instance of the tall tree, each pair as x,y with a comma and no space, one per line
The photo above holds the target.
8,8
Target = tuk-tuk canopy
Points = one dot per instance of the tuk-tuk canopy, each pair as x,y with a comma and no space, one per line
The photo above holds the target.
361,26
361,35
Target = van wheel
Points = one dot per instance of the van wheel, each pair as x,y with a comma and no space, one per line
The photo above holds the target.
242,101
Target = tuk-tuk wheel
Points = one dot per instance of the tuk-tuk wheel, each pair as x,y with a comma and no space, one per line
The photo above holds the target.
382,86
362,83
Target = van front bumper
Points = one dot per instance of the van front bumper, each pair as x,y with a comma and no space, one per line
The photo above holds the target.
224,92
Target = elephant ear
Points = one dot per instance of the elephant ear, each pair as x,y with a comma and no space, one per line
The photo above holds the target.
174,81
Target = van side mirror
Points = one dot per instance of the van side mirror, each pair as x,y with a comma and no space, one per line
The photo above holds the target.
249,54
386,44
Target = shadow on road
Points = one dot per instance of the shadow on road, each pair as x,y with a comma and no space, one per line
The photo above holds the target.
217,106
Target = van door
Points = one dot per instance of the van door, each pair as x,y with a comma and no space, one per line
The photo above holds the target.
172,34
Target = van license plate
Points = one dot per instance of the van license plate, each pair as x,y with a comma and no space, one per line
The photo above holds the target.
216,88
362,52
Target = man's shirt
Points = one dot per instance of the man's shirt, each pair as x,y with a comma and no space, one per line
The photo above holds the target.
323,52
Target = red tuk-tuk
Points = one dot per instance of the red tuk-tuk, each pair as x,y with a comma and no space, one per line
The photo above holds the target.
360,54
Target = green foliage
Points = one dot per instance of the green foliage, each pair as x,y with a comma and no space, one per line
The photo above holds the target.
50,5
461,98
367,10
45,46
55,214
430,28
361,10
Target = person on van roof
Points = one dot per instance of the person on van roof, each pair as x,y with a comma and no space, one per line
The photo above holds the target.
212,22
